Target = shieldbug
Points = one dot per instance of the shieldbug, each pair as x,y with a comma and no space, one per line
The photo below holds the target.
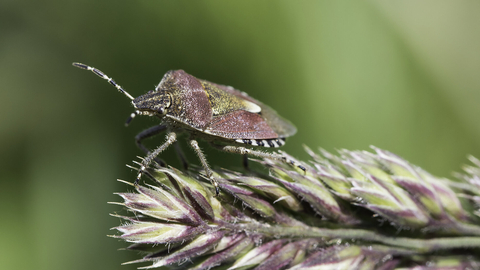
219,114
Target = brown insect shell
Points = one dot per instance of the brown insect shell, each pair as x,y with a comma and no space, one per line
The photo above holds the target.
209,109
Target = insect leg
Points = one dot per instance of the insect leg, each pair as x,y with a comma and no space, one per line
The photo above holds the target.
150,132
207,169
245,162
246,151
180,155
171,138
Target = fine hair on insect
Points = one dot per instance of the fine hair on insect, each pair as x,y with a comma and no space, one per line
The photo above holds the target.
226,118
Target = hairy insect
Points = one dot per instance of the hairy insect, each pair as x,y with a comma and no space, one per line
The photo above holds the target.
221,115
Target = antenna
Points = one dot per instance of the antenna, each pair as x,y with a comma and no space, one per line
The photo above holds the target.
103,76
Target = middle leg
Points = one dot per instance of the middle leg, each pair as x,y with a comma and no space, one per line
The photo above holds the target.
205,165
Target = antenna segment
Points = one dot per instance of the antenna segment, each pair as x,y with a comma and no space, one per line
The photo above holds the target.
103,76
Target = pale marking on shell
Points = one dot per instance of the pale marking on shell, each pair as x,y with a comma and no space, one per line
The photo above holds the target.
251,107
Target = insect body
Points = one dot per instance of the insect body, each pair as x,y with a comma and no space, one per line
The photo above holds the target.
221,115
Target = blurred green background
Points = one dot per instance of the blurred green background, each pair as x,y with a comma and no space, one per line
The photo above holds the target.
400,75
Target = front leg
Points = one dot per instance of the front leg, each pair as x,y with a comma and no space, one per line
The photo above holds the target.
153,131
148,133
171,138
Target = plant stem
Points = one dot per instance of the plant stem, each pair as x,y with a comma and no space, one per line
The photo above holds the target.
419,245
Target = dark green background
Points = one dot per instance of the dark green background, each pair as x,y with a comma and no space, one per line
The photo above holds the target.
402,76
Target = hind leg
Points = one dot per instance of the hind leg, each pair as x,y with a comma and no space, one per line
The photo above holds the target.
246,151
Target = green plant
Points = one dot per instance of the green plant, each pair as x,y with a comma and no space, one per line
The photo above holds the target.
357,210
